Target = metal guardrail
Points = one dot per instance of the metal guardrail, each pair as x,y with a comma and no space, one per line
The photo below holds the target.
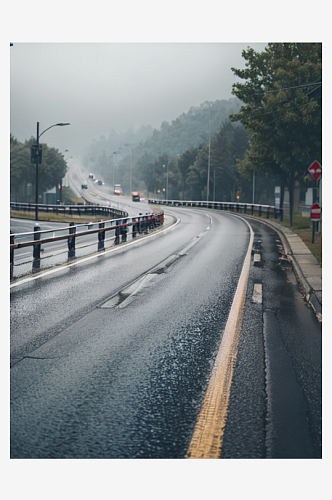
122,228
119,223
71,210
246,208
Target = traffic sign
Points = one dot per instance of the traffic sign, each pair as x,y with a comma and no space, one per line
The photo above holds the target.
315,212
315,170
36,153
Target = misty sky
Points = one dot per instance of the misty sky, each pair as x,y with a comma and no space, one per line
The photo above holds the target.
98,87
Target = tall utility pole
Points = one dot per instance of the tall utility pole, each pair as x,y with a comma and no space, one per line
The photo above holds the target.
114,163
131,166
209,165
37,163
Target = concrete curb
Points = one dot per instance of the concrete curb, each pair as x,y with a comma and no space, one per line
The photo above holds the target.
304,264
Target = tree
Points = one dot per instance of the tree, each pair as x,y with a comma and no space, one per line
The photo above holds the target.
21,170
226,146
23,173
186,160
195,181
282,109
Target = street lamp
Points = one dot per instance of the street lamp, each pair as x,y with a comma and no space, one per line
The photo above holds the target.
131,165
38,159
61,184
209,166
66,178
114,163
169,161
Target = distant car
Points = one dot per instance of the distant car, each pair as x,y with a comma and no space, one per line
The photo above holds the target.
135,196
84,186
100,183
117,189
91,176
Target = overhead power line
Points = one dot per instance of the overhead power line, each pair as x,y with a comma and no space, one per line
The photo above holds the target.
317,83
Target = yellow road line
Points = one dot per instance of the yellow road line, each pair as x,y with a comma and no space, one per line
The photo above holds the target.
207,438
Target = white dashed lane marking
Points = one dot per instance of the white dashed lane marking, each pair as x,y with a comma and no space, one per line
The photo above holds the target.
257,293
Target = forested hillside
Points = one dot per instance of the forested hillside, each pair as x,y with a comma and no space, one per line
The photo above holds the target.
190,129
110,158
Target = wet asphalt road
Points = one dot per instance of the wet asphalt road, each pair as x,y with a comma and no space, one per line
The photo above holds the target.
98,375
275,408
106,382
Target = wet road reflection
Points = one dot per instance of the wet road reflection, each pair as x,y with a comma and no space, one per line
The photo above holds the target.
110,382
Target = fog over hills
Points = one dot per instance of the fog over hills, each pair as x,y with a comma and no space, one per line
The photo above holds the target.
100,88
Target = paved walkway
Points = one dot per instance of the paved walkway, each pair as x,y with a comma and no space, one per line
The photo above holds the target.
305,265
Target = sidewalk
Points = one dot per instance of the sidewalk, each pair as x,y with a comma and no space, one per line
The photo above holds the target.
305,265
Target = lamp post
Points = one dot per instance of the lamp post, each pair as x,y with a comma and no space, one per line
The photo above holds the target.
61,183
131,165
38,159
114,163
66,179
209,166
169,161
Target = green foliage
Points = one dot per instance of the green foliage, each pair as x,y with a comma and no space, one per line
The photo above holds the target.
282,109
187,132
187,177
190,129
186,160
23,173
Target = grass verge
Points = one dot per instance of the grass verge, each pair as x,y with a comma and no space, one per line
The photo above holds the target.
50,217
302,226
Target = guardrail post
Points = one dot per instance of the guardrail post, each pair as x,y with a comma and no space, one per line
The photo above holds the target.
124,230
101,237
12,241
117,233
36,247
71,240
160,219
151,222
140,224
134,228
